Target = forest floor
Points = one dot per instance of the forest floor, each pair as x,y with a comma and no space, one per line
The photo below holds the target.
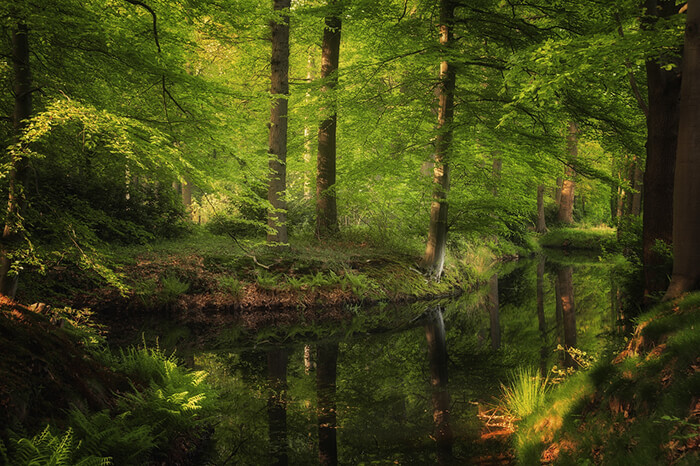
640,405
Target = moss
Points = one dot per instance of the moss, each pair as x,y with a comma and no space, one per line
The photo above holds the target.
600,239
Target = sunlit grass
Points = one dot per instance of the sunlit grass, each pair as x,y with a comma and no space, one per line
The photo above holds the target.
525,392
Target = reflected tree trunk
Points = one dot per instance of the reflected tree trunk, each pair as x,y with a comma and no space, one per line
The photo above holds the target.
494,317
565,287
277,405
308,359
540,316
326,367
437,355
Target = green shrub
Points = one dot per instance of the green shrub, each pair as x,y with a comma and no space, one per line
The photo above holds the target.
48,449
231,285
525,392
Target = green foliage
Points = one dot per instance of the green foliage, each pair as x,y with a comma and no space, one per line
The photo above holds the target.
231,285
525,393
172,288
50,450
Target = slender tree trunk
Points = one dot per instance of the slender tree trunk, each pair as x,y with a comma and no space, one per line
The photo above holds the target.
327,358
437,354
279,76
686,195
662,137
557,191
22,111
307,134
434,257
277,405
326,207
566,203
541,223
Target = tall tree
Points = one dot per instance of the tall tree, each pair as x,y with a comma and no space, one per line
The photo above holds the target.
566,202
22,78
686,195
434,257
662,135
279,76
326,207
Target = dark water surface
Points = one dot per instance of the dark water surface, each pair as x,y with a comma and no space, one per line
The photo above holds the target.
401,385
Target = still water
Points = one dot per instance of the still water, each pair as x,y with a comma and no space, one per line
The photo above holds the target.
402,384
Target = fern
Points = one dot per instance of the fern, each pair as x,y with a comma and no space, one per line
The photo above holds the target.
47,449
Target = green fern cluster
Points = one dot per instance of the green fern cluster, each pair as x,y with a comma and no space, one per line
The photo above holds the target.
50,450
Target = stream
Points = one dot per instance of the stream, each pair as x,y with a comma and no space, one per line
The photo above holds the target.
400,384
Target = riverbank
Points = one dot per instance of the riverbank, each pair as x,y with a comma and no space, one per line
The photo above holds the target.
205,278
640,405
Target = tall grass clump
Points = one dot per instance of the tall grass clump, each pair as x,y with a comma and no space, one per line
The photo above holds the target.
525,392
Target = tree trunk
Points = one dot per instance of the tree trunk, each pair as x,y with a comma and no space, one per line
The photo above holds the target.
327,359
557,191
686,196
662,136
277,405
541,223
22,111
279,76
437,354
566,203
326,208
542,323
307,133
434,257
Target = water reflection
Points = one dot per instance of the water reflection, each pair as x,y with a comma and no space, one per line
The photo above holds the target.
437,356
326,373
541,320
277,406
493,308
565,305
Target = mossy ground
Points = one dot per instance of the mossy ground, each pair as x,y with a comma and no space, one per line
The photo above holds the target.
640,406
599,239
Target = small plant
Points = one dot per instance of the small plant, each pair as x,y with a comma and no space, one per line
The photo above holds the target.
172,288
46,448
266,280
231,285
525,393
582,359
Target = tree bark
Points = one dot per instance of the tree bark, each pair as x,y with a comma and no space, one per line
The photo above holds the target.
326,206
686,195
662,136
279,77
492,305
434,257
541,223
327,360
566,202
22,111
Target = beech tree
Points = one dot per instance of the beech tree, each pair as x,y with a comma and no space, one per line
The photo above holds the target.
279,72
434,257
326,208
686,193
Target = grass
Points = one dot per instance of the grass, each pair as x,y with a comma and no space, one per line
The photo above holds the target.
639,406
600,239
525,392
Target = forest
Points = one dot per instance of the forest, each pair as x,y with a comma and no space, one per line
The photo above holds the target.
349,232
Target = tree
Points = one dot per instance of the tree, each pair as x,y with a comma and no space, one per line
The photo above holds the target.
566,202
686,196
22,111
434,257
326,208
279,76
664,86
